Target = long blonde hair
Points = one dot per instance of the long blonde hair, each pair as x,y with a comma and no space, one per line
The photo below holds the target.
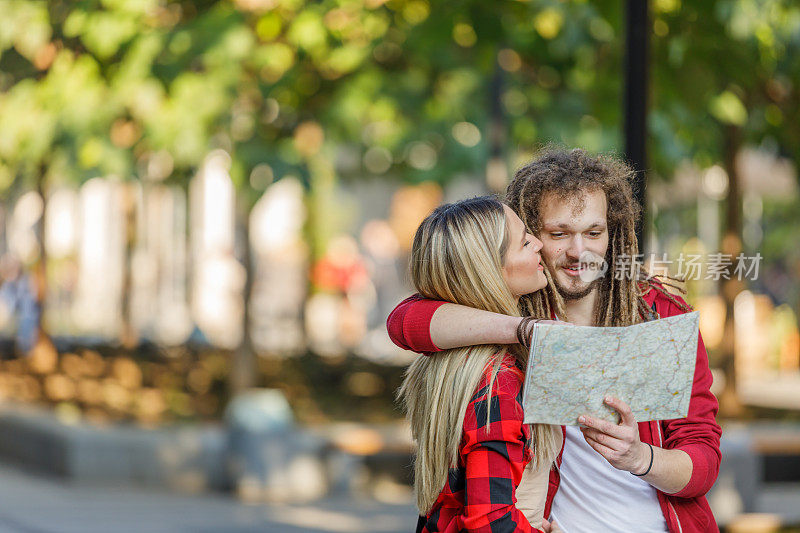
457,256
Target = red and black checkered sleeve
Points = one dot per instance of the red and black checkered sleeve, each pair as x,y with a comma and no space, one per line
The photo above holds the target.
495,459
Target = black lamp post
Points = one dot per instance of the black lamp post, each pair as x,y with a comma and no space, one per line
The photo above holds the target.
635,103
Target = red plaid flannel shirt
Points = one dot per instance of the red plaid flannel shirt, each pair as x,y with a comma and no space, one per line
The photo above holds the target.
479,493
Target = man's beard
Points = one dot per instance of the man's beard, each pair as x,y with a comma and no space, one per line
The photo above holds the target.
574,294
568,293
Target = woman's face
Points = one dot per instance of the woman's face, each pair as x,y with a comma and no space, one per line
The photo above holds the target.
522,264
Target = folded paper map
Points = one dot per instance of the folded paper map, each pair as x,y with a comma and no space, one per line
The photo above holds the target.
650,366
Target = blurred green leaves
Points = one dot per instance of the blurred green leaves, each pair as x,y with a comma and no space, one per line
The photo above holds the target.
102,32
97,86
727,108
25,26
723,67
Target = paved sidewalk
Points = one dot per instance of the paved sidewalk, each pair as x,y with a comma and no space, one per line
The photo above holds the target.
32,503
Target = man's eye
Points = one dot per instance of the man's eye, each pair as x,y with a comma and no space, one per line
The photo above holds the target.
556,235
594,233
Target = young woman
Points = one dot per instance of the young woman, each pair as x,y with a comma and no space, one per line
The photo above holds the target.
465,404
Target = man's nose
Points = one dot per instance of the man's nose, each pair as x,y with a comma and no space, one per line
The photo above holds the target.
576,247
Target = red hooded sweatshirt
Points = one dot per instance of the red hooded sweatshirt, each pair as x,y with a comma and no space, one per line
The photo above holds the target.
698,434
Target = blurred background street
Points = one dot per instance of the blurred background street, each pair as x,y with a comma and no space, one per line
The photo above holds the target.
36,504
206,209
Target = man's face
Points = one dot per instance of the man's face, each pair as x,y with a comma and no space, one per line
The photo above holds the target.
574,236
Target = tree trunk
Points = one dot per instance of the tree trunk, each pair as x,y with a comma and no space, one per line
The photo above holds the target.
496,170
43,357
244,368
40,271
730,405
129,336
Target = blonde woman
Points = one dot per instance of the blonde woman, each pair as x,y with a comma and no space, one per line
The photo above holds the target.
464,404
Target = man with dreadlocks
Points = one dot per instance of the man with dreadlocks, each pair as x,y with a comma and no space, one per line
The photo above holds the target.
644,477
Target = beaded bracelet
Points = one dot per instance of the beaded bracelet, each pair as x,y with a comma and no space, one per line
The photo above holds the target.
524,332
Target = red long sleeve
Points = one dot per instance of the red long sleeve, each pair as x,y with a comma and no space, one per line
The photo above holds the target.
698,434
409,324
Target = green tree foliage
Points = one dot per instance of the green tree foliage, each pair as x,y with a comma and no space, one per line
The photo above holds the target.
728,67
406,86
413,89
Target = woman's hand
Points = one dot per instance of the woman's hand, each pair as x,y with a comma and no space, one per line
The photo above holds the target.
554,322
619,443
527,325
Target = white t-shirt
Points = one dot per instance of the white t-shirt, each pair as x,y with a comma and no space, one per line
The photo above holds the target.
594,496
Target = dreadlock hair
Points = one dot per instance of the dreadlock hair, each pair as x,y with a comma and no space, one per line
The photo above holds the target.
568,174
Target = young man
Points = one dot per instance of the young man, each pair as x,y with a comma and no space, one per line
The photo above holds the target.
582,209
